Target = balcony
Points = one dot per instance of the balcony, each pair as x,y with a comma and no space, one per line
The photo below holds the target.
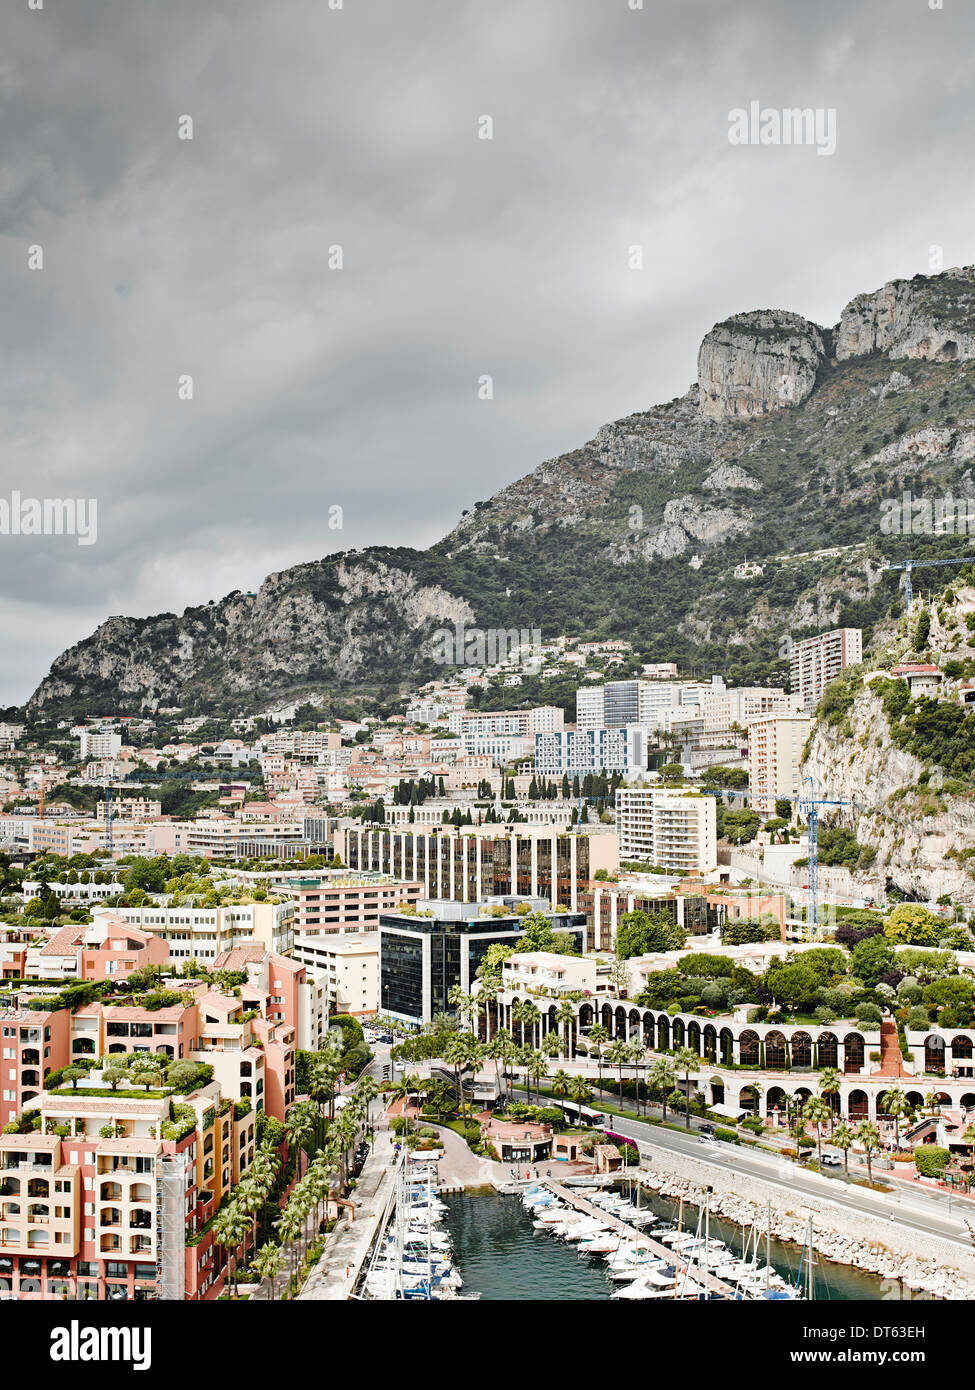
114,1163
30,1057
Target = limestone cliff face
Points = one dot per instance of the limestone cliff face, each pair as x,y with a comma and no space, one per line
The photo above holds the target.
913,833
917,815
336,622
756,363
927,317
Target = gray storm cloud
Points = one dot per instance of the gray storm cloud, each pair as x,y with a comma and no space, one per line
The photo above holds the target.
313,128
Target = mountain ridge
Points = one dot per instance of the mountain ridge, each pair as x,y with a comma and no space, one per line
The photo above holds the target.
790,439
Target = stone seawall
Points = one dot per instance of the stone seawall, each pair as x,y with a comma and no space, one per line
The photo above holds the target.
922,1262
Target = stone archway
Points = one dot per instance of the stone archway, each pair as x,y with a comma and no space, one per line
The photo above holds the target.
828,1050
853,1053
858,1105
934,1052
802,1049
776,1051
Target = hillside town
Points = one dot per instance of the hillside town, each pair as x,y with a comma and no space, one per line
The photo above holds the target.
253,966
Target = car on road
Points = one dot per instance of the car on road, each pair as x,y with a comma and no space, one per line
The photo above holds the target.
831,1161
708,1139
707,1129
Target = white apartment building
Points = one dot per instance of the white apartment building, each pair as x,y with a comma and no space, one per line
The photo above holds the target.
220,837
739,706
591,750
472,725
201,933
818,660
96,745
345,967
775,744
669,828
646,703
131,808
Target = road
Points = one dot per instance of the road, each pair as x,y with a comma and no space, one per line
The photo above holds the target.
920,1209
920,1214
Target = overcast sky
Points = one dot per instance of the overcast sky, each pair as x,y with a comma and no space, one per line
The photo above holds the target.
312,127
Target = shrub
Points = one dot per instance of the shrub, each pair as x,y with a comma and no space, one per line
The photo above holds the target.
727,1136
930,1160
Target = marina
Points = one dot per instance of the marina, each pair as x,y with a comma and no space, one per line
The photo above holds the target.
501,1255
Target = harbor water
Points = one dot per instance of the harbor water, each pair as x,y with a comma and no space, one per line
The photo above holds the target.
502,1257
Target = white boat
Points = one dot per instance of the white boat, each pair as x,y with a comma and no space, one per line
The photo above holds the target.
586,1230
558,1215
599,1245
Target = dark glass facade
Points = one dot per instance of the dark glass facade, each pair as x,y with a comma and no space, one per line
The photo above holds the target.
449,951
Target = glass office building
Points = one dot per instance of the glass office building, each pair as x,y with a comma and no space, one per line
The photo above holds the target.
422,958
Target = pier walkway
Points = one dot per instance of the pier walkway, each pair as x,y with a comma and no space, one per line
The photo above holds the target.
335,1274
699,1276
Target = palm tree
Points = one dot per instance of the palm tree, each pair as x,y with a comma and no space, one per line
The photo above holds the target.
518,1016
487,993
618,1055
561,1082
300,1126
638,1055
267,1262
896,1104
829,1086
465,1004
366,1090
869,1136
661,1078
498,1050
686,1060
843,1136
230,1227
580,1091
460,1051
817,1112
552,1045
323,1072
531,1015
599,1035
537,1067
249,1195
402,1089
565,1015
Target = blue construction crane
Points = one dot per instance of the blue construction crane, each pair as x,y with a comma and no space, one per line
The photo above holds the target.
909,566
809,804
108,818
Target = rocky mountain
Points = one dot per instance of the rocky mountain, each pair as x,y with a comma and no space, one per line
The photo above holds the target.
905,765
703,529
